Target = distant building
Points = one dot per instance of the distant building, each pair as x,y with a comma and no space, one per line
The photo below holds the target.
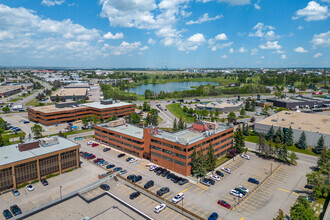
72,111
79,93
292,103
77,85
35,159
171,150
6,91
221,106
312,124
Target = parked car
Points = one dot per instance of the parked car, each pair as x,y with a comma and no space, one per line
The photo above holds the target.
309,186
224,204
117,169
236,193
215,177
243,188
252,180
26,122
163,191
131,177
183,181
122,172
106,149
89,142
160,208
95,144
134,195
219,173
7,214
153,167
246,156
15,192
132,160
240,191
149,184
105,187
110,166
29,187
212,182
137,179
165,173
91,157
121,155
205,182
15,210
128,159
227,170
213,216
169,176
177,198
44,182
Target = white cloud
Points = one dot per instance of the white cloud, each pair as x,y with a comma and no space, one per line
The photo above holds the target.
270,45
231,50
317,55
126,47
278,51
203,19
224,57
313,12
300,27
236,2
52,2
254,51
222,36
151,41
283,56
192,43
144,48
300,50
110,36
321,40
262,57
263,31
242,50
256,5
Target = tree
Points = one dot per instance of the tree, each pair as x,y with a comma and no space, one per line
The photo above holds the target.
278,137
302,141
200,166
134,118
146,106
210,159
57,98
63,99
247,105
280,215
292,157
180,124
302,210
74,98
265,110
231,116
270,133
85,120
246,131
36,130
175,127
253,105
242,112
94,119
114,117
261,148
320,145
6,109
289,137
217,113
239,140
193,163
323,160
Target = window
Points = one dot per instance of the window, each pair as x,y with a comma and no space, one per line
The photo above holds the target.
179,162
179,155
156,148
167,158
168,145
156,155
167,151
180,148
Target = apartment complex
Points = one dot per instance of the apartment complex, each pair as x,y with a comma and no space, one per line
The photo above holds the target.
72,111
35,159
171,150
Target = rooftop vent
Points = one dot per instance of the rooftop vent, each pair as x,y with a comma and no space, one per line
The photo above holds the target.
292,122
107,101
45,142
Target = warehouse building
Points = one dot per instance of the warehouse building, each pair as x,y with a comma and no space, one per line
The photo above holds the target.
72,111
35,159
6,91
312,124
171,150
221,106
77,85
292,103
69,93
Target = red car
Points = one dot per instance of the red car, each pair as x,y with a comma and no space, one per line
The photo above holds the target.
97,160
95,144
224,204
91,157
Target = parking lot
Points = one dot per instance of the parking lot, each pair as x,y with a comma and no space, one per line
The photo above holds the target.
276,192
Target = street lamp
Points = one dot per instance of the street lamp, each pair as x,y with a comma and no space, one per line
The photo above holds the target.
61,192
271,168
182,205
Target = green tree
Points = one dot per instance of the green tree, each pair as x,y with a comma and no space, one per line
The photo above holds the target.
85,120
261,147
253,105
247,105
6,109
270,133
36,130
210,159
231,116
302,210
217,113
246,131
94,119
265,110
292,158
57,98
180,123
74,98
134,118
175,127
193,163
146,106
200,167
324,158
302,141
239,143
320,145
114,117
280,215
242,112
289,137
279,136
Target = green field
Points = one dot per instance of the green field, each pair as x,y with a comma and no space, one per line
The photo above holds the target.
176,110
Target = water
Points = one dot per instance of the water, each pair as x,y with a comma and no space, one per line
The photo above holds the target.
167,87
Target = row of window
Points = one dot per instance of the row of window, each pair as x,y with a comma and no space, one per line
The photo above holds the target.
168,152
169,145
119,136
167,158
120,142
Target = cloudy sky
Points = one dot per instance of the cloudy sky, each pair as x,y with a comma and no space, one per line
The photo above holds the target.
160,33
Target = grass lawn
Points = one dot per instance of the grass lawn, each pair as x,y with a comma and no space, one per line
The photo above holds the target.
73,132
222,160
318,206
33,102
176,110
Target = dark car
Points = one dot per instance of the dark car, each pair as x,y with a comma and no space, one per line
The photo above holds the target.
173,177
240,190
137,179
15,210
219,173
117,169
165,173
134,195
177,179
158,168
129,158
224,204
149,184
308,186
44,182
15,192
6,213
252,180
121,155
160,171
211,181
169,176
205,182
183,181
163,191
131,177
106,149
105,187
213,216
110,166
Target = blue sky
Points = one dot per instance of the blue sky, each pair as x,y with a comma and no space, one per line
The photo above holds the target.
160,33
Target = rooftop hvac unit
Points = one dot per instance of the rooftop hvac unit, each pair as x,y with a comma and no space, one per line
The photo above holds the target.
292,122
45,142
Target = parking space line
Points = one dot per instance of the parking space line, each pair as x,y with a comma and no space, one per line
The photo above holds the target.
3,196
152,204
155,189
197,211
169,213
201,192
252,207
137,171
256,201
170,195
143,199
179,212
186,188
204,213
191,207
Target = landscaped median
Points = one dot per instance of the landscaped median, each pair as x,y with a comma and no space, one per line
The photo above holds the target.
177,111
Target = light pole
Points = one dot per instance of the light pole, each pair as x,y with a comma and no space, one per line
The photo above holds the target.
182,205
271,168
61,192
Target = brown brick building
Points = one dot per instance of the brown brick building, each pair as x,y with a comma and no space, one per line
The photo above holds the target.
71,111
35,159
170,150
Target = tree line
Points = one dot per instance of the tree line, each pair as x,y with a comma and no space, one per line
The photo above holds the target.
201,163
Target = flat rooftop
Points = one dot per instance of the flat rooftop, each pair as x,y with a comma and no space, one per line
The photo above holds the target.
296,100
127,129
220,105
299,121
71,92
10,154
98,105
8,88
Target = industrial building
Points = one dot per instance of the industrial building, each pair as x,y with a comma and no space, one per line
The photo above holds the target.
313,125
35,159
171,150
77,85
72,111
221,106
6,91
292,103
79,93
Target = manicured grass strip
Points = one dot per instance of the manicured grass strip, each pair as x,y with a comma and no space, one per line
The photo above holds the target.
176,110
222,160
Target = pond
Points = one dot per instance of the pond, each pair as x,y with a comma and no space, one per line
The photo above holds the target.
168,87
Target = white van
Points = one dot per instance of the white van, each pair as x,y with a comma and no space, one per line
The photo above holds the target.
160,208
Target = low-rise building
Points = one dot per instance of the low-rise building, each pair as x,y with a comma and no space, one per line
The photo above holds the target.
35,159
221,106
292,103
72,111
77,85
6,91
79,93
172,150
313,125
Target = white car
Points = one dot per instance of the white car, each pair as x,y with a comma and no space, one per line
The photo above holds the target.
236,193
29,187
160,208
132,160
244,189
153,167
215,177
89,142
177,198
246,156
227,170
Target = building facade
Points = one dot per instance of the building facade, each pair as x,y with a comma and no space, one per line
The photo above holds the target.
34,160
56,114
170,150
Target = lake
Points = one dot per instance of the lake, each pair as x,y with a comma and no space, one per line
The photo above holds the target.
167,87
